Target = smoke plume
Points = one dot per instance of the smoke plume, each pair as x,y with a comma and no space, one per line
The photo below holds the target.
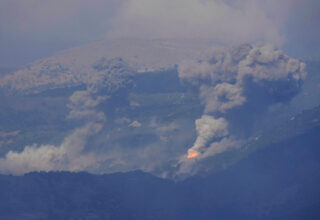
247,79
69,155
208,128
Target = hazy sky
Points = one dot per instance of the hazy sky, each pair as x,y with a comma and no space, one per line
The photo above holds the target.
31,29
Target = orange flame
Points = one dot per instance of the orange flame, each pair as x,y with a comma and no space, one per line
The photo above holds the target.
192,154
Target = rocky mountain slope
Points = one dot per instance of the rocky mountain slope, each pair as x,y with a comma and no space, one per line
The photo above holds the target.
278,181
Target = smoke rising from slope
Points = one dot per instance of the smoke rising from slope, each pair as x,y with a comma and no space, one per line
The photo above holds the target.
208,128
83,106
67,156
250,77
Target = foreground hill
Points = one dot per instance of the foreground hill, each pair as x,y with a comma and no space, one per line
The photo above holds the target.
279,181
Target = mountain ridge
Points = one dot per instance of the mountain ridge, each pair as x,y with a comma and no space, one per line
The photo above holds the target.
74,66
271,183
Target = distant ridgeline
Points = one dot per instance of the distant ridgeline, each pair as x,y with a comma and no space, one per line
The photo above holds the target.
78,65
49,74
280,180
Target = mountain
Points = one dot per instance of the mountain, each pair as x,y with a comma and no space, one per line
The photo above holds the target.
278,180
300,124
145,117
150,120
75,66
153,110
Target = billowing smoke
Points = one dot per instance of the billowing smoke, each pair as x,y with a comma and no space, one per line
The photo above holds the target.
70,155
242,80
67,156
208,128
222,97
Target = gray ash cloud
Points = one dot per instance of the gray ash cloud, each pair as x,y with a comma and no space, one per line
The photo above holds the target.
236,85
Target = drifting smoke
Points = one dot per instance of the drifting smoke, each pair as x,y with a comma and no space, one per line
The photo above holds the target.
67,156
222,97
220,21
83,106
246,75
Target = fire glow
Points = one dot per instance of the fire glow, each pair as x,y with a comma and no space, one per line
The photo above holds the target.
192,154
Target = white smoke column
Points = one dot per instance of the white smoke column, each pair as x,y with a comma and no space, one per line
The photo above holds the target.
223,78
208,128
